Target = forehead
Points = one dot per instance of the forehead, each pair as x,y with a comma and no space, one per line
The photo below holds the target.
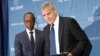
28,15
47,9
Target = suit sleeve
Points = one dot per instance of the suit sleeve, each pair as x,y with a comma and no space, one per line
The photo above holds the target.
45,44
80,36
18,47
46,40
87,49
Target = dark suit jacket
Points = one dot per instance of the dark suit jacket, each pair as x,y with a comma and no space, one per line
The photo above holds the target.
71,38
22,44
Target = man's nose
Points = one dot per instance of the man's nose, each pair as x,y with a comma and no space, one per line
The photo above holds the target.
47,16
29,23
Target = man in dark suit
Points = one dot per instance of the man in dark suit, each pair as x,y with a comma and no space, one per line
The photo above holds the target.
63,35
30,41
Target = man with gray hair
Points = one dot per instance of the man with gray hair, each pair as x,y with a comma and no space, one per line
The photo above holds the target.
63,35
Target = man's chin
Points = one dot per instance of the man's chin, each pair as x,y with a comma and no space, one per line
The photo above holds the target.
30,28
49,23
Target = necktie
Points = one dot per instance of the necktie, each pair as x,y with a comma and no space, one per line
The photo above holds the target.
52,41
32,42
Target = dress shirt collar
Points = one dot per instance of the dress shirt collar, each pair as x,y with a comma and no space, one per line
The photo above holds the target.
28,32
56,21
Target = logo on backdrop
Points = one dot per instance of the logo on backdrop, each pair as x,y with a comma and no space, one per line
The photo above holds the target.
93,29
36,0
17,5
63,0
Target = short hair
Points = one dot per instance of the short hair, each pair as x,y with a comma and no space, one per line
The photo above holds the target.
46,4
30,14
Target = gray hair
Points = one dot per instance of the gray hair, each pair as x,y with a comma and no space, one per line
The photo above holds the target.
46,4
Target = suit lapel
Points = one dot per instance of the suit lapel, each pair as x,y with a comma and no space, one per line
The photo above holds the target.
37,39
60,29
36,36
48,30
26,36
47,37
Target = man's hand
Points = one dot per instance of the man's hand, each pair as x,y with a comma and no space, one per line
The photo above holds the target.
69,54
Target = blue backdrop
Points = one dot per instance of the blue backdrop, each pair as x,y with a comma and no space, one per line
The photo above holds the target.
86,12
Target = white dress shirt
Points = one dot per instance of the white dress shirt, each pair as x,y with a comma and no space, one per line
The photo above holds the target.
29,35
56,28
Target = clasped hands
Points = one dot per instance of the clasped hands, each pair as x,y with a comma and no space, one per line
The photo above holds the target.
66,54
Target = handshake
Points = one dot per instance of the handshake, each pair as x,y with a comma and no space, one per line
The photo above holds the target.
65,54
